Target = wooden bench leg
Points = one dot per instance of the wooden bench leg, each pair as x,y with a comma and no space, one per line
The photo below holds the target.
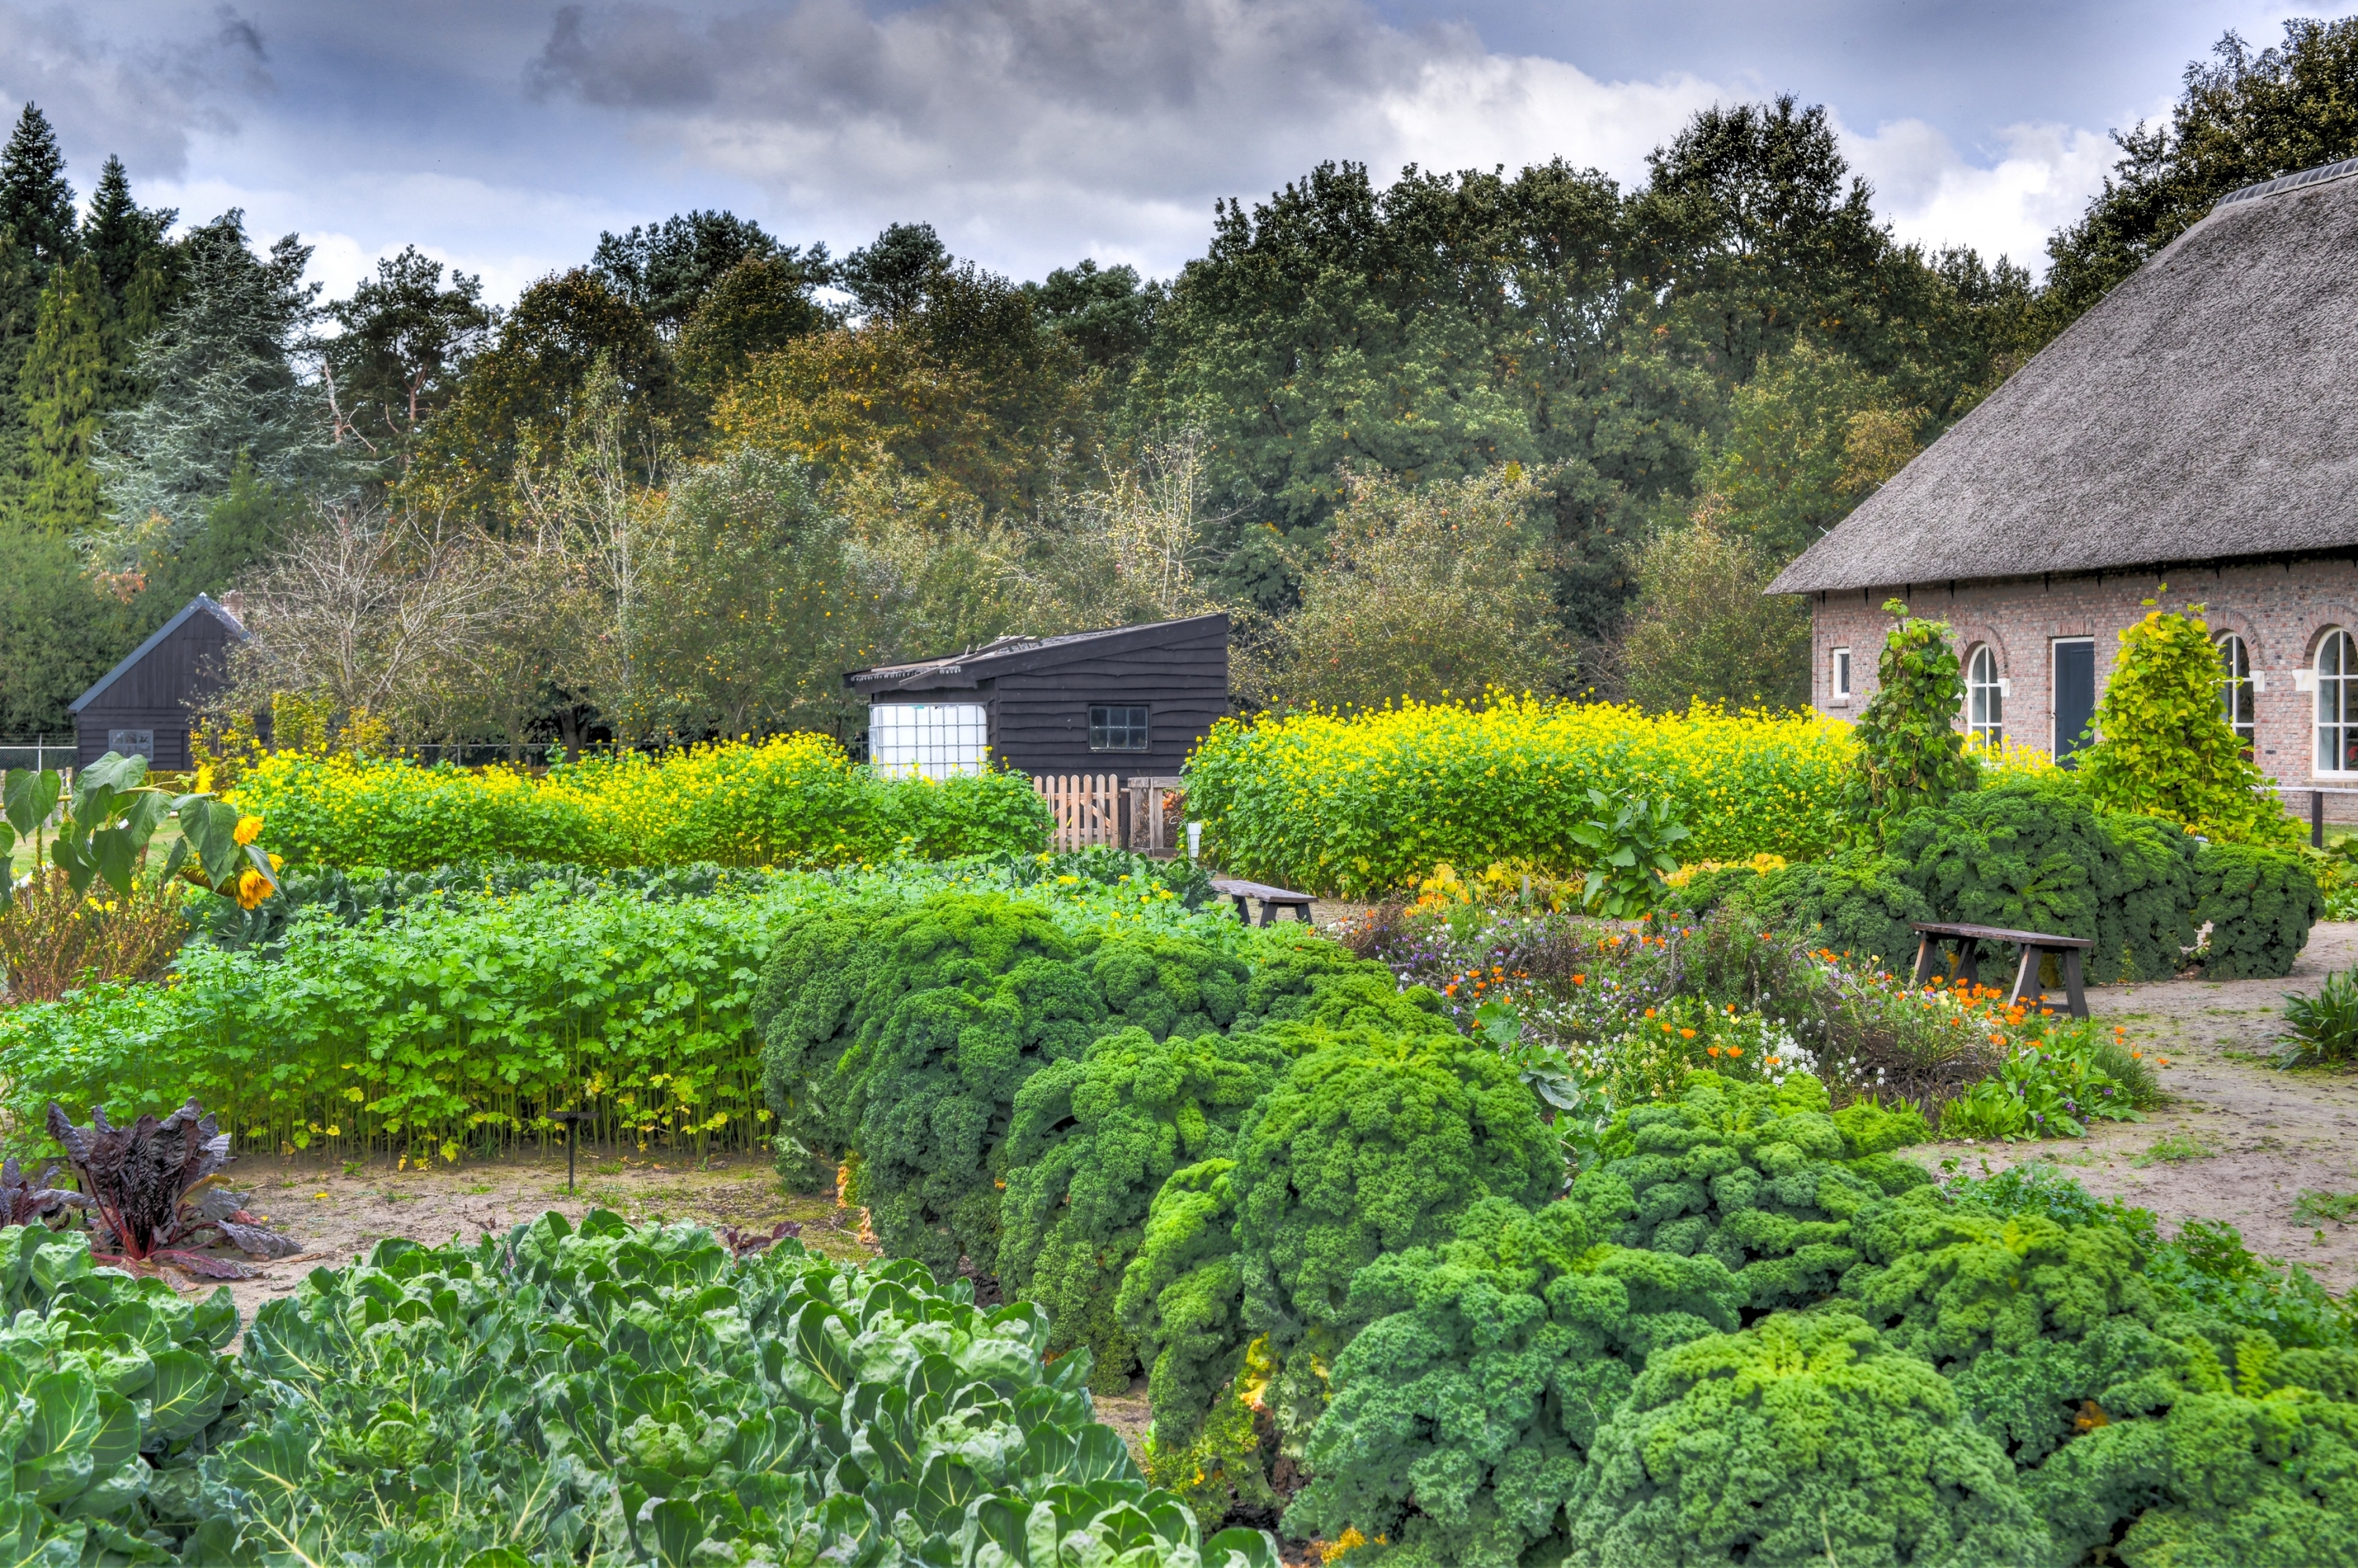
1244,908
1969,961
1927,950
1300,911
2072,983
2025,977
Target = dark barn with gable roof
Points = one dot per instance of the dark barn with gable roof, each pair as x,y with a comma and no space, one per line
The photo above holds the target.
146,703
2197,427
1132,700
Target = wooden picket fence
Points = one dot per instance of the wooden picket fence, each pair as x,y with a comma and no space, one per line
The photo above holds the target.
1087,809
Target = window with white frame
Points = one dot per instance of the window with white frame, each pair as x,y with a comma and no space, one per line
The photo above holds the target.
2237,691
929,740
1842,675
1985,698
2337,704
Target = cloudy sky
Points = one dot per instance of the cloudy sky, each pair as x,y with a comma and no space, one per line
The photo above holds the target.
503,136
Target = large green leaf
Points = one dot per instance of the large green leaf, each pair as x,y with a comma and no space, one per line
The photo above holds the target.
186,1397
30,798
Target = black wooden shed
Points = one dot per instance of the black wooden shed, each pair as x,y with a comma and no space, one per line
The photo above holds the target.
146,703
1132,700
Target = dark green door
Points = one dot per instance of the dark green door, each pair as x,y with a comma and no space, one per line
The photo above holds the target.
2075,694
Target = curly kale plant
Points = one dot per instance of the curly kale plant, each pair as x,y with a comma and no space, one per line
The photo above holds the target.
2033,854
1806,1438
1858,902
1092,1142
830,989
1369,1144
1168,985
1759,1177
1311,980
2259,905
1463,1411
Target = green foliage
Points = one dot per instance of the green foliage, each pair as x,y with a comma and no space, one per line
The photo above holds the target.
1857,902
1462,1413
2323,1028
794,801
425,1404
1910,753
1628,851
1168,986
111,817
1365,805
2163,746
2259,905
1803,1439
2032,854
2049,1085
1704,630
1091,1143
1754,1174
63,385
1304,980
1367,1145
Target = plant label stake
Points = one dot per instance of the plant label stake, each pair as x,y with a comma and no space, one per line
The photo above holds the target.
573,1120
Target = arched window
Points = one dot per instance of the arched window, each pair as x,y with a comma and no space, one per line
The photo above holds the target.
2236,689
1985,699
2337,704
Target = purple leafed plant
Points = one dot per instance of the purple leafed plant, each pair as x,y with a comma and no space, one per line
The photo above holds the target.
24,1201
150,1185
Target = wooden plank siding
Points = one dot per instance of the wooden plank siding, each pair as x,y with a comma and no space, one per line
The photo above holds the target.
157,688
1038,697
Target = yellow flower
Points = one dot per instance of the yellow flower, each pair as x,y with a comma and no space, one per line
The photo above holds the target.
248,830
253,887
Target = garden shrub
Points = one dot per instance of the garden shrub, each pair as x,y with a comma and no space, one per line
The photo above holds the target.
1801,1440
1168,985
2031,853
797,800
1856,903
2163,745
1754,1174
1705,890
1308,979
2259,905
1091,1143
1910,755
1363,804
1368,1144
1463,1411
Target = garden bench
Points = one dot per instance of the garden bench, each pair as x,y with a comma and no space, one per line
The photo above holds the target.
2035,946
1272,900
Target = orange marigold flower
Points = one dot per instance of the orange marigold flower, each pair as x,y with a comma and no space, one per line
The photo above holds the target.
1686,1034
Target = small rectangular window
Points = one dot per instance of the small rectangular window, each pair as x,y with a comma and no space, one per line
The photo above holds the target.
1115,727
1842,675
132,743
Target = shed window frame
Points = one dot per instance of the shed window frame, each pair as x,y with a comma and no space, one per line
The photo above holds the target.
1985,698
2336,665
1131,732
2237,691
928,740
130,741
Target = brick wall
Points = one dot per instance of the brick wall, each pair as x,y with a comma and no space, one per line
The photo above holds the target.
2280,608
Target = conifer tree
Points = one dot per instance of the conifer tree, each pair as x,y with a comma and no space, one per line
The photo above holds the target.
37,232
137,273
61,388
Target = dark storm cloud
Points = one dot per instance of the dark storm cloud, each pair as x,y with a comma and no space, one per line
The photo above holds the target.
142,97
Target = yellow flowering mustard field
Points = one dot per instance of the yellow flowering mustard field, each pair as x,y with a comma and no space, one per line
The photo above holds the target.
1357,806
795,800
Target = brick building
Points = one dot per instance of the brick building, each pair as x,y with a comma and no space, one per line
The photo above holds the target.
2198,428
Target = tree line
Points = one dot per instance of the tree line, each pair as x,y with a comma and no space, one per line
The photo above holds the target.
1463,429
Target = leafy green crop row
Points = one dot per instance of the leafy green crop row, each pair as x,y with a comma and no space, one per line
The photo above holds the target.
797,800
609,1395
453,1021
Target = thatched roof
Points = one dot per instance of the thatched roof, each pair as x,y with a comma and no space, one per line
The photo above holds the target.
2206,409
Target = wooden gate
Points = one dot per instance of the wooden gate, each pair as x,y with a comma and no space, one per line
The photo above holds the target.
1087,809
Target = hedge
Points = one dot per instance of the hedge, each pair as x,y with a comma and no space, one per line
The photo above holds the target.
1361,804
2259,905
797,800
1859,901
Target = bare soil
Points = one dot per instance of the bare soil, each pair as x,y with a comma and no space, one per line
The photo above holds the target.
2270,1135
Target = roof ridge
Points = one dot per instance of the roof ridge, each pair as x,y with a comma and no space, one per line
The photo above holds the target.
2306,177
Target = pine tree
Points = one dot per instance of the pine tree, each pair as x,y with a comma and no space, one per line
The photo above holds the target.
136,275
37,217
60,388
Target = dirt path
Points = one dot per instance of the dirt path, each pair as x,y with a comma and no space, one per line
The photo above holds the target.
2270,1135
